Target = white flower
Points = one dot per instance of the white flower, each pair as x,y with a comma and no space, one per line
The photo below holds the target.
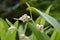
24,17
12,28
23,37
40,27
26,38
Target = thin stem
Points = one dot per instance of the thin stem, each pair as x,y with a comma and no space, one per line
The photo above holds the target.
47,27
30,12
49,30
31,16
25,28
32,21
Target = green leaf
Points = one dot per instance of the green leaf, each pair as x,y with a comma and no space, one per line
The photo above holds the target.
13,35
48,18
55,35
8,22
16,24
9,35
2,31
48,9
20,29
41,20
47,12
38,34
4,23
37,21
33,37
58,36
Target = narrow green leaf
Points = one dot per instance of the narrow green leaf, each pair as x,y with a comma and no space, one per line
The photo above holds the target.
47,12
8,22
39,35
48,18
13,35
4,23
20,29
37,21
9,35
58,36
2,31
16,24
55,35
33,37
48,9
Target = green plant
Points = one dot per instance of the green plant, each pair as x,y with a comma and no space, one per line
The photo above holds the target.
38,28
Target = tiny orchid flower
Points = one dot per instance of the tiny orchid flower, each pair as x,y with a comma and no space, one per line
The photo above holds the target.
40,27
12,28
27,38
23,37
24,17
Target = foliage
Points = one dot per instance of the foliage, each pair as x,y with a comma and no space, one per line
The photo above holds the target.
40,22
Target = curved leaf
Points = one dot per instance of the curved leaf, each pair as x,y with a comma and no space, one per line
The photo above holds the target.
48,18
